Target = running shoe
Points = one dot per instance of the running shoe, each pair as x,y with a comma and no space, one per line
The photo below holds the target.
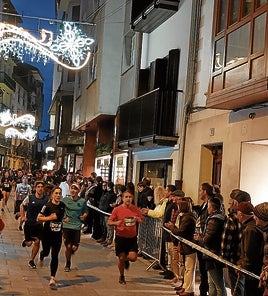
52,283
67,268
122,280
31,264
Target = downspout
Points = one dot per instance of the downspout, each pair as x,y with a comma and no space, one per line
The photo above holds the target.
191,79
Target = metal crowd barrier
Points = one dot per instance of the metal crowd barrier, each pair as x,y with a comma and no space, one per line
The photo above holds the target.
149,236
149,239
149,242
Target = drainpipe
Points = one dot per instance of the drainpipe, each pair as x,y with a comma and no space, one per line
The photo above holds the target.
191,79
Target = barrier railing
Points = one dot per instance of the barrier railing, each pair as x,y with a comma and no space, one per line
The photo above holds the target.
149,242
211,254
149,238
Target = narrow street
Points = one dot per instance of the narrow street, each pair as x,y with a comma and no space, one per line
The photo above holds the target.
94,270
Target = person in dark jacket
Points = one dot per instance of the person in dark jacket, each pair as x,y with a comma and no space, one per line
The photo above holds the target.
211,239
145,196
205,193
231,238
251,248
106,202
185,228
261,217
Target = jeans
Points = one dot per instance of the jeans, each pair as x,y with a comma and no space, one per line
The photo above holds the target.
237,282
203,287
216,282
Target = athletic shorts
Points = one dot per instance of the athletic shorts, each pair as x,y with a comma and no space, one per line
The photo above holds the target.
71,236
33,230
125,245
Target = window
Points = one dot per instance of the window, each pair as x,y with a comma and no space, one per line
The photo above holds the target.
239,42
70,76
128,51
76,13
92,66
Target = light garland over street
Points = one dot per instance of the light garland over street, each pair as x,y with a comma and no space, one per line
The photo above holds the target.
71,48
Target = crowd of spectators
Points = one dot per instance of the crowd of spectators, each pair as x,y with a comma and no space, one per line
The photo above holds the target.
238,234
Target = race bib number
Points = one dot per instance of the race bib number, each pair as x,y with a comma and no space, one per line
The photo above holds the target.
55,226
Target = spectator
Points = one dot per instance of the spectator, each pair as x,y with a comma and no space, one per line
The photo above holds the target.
159,212
261,217
251,248
211,239
65,184
145,196
170,215
205,193
231,238
185,228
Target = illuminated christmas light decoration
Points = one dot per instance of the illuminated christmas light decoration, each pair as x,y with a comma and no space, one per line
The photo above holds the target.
71,48
25,122
29,134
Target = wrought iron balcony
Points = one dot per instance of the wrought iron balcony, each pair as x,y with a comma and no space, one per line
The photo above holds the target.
148,120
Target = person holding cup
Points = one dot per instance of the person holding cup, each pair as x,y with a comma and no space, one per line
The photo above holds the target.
125,218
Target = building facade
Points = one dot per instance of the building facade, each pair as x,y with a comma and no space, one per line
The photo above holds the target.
226,139
176,91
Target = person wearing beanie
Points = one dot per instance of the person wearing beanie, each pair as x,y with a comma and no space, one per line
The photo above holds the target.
260,212
231,237
251,248
240,195
211,240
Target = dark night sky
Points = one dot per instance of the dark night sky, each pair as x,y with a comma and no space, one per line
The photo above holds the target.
39,9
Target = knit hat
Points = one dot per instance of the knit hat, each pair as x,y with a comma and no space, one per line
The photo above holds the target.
178,192
240,195
261,211
245,207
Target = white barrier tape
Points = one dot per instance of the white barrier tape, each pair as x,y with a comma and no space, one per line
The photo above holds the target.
211,254
98,210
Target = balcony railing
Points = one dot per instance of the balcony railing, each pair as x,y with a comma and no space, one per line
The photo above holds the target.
7,80
149,119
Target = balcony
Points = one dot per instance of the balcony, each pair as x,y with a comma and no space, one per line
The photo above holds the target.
68,139
147,15
7,80
148,120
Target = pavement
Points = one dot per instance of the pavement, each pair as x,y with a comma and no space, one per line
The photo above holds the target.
94,270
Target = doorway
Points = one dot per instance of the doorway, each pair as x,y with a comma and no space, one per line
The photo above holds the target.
211,163
160,172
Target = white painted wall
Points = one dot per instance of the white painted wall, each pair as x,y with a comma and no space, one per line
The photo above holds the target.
254,172
205,51
174,33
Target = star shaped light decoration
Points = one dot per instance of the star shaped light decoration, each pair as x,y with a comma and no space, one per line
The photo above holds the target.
70,49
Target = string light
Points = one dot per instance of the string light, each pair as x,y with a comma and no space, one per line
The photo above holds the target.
71,48
25,122
29,134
